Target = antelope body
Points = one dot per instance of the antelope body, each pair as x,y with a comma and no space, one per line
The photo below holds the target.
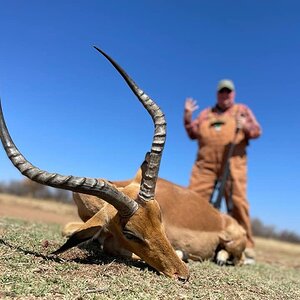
195,228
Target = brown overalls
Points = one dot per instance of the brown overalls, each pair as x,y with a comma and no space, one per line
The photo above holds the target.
215,135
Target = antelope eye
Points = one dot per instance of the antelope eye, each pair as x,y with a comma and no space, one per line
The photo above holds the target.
129,235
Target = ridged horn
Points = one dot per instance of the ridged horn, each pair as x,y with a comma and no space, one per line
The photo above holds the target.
100,188
149,179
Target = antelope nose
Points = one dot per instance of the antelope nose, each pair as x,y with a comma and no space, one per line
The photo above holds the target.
182,278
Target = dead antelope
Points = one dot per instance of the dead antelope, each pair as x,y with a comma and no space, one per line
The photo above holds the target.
194,227
128,219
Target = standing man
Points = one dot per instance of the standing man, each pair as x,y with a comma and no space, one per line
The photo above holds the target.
215,129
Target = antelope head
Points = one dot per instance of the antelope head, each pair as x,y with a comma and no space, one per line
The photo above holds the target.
130,214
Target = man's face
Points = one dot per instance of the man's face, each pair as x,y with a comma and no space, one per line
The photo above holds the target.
225,98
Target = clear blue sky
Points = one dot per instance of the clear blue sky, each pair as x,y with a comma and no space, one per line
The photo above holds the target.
70,112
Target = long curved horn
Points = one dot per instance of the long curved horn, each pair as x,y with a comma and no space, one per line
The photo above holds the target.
91,186
149,179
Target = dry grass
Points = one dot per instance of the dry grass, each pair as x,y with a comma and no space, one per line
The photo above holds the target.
278,253
41,204
28,271
37,209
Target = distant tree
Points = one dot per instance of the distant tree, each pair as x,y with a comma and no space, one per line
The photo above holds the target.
269,231
29,188
62,195
34,189
14,187
261,229
289,236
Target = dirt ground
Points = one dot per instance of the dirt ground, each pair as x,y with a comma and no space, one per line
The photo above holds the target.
267,251
37,210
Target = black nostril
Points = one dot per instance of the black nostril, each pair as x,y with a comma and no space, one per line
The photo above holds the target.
181,278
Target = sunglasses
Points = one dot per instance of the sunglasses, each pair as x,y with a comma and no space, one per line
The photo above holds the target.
224,90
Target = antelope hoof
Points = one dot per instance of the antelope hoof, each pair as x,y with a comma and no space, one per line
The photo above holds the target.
182,255
222,257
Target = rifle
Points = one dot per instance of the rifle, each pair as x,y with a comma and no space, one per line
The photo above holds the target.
218,192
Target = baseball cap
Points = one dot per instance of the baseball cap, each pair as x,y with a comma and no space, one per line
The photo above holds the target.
225,83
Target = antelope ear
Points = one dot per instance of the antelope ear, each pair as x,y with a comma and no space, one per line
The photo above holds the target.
141,171
85,232
224,237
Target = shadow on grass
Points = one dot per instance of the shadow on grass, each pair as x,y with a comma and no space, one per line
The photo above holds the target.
90,252
87,253
34,253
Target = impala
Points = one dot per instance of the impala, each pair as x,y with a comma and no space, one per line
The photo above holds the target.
194,227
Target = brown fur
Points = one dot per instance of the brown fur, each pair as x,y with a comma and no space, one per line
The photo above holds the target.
192,225
148,242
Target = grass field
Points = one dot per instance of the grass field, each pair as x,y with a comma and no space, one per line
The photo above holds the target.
28,271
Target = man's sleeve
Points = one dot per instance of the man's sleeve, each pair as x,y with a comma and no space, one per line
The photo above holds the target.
252,128
192,126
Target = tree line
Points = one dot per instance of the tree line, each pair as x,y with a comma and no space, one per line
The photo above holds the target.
29,188
270,231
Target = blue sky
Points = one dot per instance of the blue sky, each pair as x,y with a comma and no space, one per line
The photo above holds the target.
69,111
